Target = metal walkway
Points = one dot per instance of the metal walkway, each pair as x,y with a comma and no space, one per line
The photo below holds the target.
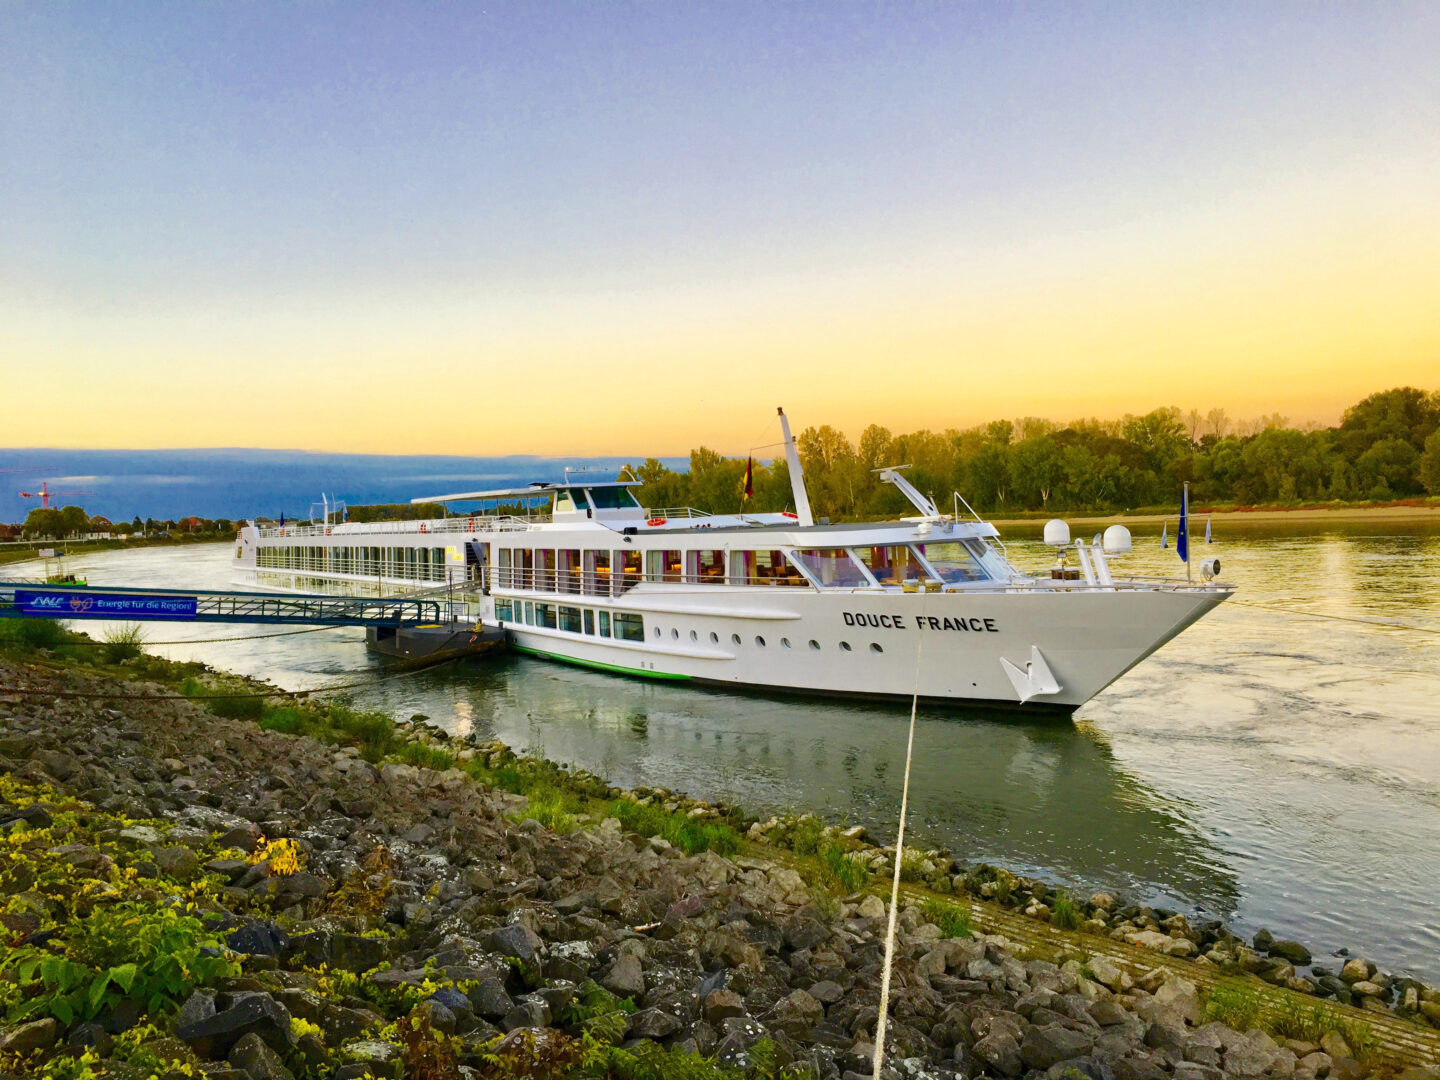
27,599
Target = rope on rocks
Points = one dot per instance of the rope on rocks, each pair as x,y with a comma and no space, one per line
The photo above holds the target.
899,855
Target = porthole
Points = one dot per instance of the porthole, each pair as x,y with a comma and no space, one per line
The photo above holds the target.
694,636
785,642
674,634
759,641
845,645
714,638
657,631
735,638
875,648
814,645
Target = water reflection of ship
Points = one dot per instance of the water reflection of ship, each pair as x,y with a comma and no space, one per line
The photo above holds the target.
1042,798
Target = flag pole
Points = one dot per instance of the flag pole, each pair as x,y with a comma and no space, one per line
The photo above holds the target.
1185,524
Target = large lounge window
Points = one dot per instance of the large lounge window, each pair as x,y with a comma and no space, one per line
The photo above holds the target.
570,619
597,573
545,615
955,561
833,568
629,627
710,567
764,568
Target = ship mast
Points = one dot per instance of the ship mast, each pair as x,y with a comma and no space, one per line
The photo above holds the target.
797,474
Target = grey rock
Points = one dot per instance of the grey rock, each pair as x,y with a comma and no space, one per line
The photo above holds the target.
180,863
198,1006
720,1005
27,1038
251,1054
1045,1046
827,992
259,1014
653,1024
259,938
515,940
1292,951
1001,1052
626,977
489,999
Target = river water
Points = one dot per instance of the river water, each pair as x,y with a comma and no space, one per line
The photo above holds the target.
1266,767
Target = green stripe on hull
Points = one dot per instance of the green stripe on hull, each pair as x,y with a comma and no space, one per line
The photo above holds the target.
597,665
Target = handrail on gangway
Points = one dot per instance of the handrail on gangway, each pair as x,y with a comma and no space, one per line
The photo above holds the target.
30,599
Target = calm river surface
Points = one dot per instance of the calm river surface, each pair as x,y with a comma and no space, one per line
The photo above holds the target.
1266,768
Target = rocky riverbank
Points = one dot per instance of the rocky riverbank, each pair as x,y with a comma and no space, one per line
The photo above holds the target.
190,894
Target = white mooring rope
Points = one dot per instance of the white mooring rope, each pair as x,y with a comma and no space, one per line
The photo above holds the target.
895,883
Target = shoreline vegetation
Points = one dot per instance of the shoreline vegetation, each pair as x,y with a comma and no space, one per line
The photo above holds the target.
350,895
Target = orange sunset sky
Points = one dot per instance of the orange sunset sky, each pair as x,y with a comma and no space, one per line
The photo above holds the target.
615,229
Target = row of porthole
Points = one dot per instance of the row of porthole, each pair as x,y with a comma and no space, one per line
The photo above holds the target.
760,641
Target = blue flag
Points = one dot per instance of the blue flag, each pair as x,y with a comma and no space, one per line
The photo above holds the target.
1182,533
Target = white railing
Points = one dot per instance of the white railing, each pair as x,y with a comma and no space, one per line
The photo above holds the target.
476,523
668,512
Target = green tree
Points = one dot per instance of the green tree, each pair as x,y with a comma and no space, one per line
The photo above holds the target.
1427,469
42,522
1036,469
73,520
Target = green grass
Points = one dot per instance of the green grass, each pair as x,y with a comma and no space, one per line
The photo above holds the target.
842,871
687,834
1238,1007
123,643
27,635
553,808
1064,913
952,919
807,836
912,865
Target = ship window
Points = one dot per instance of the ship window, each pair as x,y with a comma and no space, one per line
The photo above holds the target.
759,641
785,642
629,568
767,568
611,498
710,567
814,645
604,624
893,564
694,636
629,627
529,613
589,621
654,562
735,638
569,570
597,573
502,610
714,638
657,631
875,648
832,567
570,619
674,566
954,562
674,634
564,503
545,615
845,645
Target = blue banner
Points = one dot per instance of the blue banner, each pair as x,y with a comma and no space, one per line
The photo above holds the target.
77,604
1182,534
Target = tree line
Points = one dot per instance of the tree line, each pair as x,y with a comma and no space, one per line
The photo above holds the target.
1386,447
65,522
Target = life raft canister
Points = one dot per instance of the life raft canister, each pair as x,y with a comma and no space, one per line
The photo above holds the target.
422,526
655,521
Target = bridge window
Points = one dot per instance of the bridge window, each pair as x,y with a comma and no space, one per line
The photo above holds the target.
564,503
629,627
604,624
833,568
611,498
893,564
955,562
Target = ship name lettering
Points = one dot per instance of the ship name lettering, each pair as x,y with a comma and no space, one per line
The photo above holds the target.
972,624
889,622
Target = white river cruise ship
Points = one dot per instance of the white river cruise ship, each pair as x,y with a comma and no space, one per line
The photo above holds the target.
578,571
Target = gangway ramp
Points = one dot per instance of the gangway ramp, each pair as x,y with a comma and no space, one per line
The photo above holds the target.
24,599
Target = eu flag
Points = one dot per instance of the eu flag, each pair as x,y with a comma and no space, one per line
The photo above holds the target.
1182,534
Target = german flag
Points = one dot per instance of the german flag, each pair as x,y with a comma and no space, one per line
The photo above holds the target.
747,488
